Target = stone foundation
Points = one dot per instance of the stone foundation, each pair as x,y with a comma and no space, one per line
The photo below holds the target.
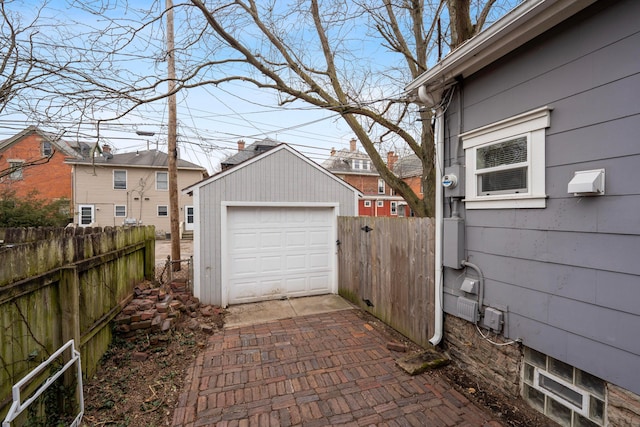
623,407
499,366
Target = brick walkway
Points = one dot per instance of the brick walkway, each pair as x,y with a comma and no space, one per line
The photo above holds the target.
319,370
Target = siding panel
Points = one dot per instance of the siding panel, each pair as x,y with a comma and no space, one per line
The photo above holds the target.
568,275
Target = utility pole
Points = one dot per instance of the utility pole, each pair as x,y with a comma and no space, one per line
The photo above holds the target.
172,142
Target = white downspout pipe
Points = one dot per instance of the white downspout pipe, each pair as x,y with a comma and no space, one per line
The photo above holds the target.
428,99
439,141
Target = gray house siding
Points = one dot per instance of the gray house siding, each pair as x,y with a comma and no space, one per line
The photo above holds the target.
279,177
568,275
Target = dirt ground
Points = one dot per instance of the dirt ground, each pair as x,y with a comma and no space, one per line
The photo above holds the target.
129,392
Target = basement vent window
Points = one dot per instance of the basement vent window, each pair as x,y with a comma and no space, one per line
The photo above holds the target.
569,396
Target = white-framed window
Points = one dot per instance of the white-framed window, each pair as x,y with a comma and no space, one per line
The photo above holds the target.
16,167
505,162
381,186
366,165
163,210
367,203
47,149
86,215
380,203
566,394
162,180
119,180
120,210
394,208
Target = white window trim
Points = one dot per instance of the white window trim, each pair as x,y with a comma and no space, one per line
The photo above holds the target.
115,211
532,125
125,179
158,211
381,185
394,208
380,203
367,203
93,215
162,189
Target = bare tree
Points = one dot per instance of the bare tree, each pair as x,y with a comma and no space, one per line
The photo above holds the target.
349,57
306,53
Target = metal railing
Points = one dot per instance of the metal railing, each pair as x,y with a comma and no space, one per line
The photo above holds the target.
17,407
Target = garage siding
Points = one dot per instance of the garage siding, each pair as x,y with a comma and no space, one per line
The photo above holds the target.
280,177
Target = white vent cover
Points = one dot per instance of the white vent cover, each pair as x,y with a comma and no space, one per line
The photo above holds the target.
587,183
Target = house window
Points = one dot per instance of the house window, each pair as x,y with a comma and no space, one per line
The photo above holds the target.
394,208
86,215
120,210
565,394
381,186
162,180
163,210
119,180
356,164
47,149
366,165
505,162
367,203
15,166
380,203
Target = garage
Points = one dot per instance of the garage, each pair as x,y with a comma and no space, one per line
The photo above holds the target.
275,252
265,227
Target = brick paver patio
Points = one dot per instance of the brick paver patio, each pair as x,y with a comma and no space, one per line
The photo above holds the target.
318,370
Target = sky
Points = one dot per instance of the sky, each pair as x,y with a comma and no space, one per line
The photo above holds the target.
211,119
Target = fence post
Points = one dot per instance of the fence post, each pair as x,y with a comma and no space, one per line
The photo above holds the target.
149,253
70,304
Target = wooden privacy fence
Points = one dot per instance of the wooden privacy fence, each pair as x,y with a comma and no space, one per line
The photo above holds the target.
59,284
386,266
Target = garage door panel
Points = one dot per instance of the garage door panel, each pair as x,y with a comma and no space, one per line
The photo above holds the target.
318,260
278,251
271,264
244,265
318,282
270,240
297,238
243,240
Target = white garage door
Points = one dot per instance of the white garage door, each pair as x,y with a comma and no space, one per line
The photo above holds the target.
275,252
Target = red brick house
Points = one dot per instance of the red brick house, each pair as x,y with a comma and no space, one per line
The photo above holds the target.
355,168
409,169
34,160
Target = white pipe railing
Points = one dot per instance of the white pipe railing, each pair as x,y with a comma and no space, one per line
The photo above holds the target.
17,407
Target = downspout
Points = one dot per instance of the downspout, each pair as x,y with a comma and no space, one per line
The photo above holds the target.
429,100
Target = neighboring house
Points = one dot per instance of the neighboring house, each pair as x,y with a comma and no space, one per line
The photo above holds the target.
245,153
130,188
356,168
538,109
267,228
34,160
409,169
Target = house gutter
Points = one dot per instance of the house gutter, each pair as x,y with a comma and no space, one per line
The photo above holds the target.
530,19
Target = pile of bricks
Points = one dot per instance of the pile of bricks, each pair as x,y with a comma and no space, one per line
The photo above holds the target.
156,309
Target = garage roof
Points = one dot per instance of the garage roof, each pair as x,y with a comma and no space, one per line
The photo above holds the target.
262,155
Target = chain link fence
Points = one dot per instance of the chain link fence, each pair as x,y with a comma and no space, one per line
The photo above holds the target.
175,271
